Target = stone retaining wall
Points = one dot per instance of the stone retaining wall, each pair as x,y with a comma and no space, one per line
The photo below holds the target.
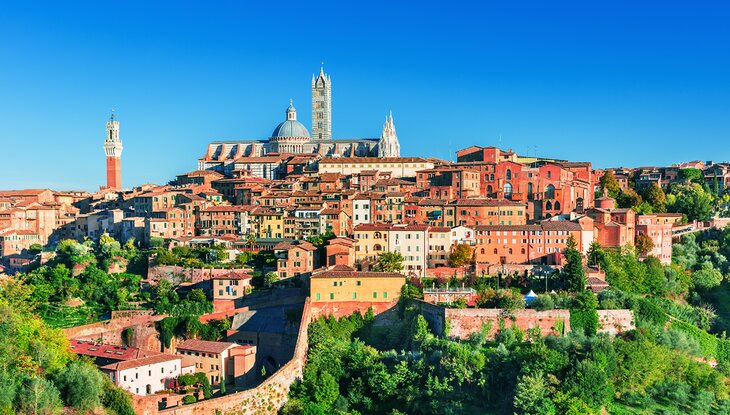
267,398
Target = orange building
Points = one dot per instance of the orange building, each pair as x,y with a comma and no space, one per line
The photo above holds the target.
541,243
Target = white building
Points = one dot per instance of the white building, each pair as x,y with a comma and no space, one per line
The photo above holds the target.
412,242
361,210
146,375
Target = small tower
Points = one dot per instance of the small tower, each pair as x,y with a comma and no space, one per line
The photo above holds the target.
321,106
113,149
388,145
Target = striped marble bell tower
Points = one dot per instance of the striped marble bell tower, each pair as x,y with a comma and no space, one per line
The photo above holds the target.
321,106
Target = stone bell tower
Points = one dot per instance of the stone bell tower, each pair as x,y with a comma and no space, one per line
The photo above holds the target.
113,149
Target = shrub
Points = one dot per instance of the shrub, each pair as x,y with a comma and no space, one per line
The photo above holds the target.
543,302
188,399
81,385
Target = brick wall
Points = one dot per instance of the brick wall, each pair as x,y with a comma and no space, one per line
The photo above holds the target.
346,308
615,321
465,321
110,331
267,398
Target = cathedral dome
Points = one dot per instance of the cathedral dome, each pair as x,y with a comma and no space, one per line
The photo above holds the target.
291,128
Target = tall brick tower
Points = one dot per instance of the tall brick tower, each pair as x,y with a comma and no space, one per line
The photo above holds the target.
321,106
113,149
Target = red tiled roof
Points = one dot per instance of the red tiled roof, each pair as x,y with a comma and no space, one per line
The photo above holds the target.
105,350
205,346
233,276
373,227
145,361
343,271
487,202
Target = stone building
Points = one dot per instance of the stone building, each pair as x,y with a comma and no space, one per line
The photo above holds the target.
291,137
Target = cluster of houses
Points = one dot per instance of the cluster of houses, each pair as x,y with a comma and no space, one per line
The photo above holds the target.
511,209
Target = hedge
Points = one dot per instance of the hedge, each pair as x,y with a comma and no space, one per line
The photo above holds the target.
709,344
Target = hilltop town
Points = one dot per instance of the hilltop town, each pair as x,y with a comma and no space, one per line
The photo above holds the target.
285,273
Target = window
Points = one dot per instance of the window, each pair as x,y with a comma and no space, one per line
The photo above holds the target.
317,296
354,295
332,296
385,294
507,190
375,294
359,283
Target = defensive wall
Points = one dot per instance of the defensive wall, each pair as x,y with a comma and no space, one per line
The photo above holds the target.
461,323
267,398
141,323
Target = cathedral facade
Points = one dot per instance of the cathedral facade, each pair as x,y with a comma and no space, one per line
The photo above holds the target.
293,138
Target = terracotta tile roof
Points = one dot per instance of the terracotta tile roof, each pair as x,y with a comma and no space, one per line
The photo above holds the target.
144,361
439,229
343,271
233,275
205,346
285,246
107,350
373,227
487,202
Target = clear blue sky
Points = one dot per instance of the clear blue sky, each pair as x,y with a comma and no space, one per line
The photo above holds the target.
616,83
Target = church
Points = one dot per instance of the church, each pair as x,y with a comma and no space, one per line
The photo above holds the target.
291,137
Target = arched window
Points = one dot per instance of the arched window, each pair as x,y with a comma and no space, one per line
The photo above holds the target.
490,189
557,205
509,174
549,205
495,251
529,190
522,251
491,177
507,190
550,192
510,251
482,252
377,247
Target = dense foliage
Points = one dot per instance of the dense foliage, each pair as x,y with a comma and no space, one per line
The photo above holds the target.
349,370
38,372
79,273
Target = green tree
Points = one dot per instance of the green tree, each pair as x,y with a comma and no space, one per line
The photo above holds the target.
38,396
461,256
691,200
81,385
197,295
596,255
326,390
644,244
573,269
532,395
389,262
692,175
628,199
251,240
707,278
655,196
270,279
608,183
583,312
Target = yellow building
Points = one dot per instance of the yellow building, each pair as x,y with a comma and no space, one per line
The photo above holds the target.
268,223
342,283
371,240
